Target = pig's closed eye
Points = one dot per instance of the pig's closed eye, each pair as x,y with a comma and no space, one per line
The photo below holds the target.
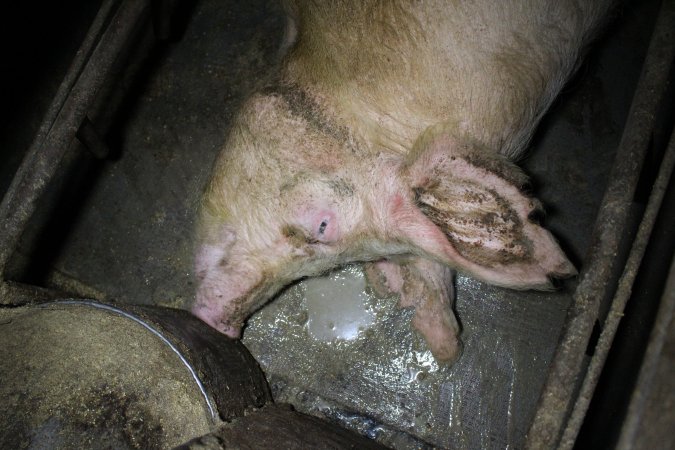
320,225
326,229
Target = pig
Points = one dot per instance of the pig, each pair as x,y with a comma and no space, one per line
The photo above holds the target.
388,138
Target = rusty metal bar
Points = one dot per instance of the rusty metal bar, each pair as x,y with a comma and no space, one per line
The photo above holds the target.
623,293
111,32
567,368
653,356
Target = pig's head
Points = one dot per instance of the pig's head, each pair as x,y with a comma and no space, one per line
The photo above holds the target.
294,195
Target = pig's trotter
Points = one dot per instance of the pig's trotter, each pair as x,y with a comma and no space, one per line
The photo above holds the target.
384,278
428,288
438,331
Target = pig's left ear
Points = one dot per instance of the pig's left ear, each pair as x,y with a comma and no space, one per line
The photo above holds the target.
467,209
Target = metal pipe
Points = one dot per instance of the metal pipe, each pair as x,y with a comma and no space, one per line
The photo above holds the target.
653,356
622,296
93,63
558,396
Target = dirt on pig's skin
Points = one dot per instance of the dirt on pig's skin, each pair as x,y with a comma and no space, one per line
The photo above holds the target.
325,167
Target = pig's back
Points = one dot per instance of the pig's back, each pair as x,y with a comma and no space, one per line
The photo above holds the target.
390,69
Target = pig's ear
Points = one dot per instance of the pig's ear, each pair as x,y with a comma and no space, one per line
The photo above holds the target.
468,211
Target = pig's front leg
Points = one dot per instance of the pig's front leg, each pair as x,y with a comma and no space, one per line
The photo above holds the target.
384,277
426,286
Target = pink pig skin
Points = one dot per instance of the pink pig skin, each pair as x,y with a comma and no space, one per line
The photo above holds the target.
389,137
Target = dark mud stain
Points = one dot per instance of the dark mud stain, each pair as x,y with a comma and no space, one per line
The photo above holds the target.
499,166
116,416
503,224
302,105
341,187
296,236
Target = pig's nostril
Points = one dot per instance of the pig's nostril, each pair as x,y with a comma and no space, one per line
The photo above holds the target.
322,227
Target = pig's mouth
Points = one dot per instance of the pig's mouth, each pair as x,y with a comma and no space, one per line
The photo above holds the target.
228,313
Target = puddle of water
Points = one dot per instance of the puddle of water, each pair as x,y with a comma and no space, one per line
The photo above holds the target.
337,305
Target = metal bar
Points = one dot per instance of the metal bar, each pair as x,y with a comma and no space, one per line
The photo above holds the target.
64,118
82,55
664,322
566,370
622,296
11,229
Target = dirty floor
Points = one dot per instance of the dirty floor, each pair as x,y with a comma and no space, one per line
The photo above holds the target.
327,345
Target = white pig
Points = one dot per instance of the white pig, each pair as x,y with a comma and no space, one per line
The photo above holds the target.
388,137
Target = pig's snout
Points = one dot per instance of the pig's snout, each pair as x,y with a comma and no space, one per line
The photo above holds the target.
220,292
207,314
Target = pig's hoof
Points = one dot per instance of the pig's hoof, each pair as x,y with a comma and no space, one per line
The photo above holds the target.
448,353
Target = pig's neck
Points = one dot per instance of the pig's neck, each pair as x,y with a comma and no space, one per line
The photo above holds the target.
391,115
389,70
374,124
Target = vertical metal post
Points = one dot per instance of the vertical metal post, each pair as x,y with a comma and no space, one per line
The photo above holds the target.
567,369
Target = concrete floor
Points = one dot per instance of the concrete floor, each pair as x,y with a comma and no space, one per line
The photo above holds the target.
124,233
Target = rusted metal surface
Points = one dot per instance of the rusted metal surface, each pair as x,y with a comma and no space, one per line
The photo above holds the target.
111,31
621,298
231,376
568,368
648,425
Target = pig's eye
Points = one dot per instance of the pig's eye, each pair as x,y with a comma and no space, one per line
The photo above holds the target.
321,226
